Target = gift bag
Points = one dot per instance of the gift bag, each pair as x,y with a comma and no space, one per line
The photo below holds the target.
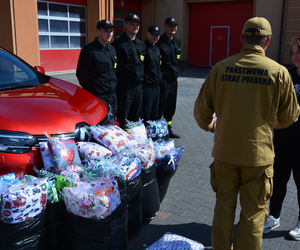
47,157
113,138
126,165
161,148
96,202
64,153
147,154
138,131
92,151
170,159
7,181
158,129
24,200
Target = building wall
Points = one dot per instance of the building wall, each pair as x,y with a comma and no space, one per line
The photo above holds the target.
96,11
19,24
148,10
291,28
93,10
19,29
272,11
7,30
170,8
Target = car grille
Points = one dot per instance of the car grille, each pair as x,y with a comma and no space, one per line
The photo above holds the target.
69,136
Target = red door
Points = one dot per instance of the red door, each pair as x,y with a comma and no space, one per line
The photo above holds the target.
202,16
219,44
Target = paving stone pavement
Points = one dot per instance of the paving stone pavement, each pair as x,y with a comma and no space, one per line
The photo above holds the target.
188,206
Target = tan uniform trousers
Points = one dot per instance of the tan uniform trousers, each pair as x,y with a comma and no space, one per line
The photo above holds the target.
254,185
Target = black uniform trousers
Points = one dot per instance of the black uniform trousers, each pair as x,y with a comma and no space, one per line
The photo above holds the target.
286,161
129,102
111,99
168,98
150,103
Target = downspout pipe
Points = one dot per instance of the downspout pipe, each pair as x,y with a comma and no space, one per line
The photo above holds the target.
282,31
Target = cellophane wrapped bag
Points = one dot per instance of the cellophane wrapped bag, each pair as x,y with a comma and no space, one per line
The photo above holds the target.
157,129
97,202
113,137
92,151
138,131
146,153
171,158
24,200
162,147
64,153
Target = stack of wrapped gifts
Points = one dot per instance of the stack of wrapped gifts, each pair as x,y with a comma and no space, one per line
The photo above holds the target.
91,194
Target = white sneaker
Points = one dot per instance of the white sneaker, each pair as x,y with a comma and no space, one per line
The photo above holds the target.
272,223
295,233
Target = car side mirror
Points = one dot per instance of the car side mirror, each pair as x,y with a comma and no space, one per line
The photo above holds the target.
40,69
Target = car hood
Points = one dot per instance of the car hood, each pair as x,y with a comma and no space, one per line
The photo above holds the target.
55,107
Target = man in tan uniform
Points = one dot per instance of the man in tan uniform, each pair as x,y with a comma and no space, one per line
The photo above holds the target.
250,94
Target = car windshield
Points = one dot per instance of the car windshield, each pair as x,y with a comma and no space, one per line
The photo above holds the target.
14,73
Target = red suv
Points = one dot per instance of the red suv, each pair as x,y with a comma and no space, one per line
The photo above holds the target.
32,104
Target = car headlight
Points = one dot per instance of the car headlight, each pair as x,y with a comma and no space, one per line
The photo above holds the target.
110,115
16,142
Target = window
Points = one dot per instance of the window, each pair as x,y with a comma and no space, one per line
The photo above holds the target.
61,26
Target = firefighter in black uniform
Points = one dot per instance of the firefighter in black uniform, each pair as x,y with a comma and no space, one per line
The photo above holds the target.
170,50
130,72
152,75
96,68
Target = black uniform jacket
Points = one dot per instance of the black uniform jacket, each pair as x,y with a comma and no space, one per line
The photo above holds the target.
131,54
153,74
170,51
96,69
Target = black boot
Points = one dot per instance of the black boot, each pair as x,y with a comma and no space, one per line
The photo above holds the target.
171,133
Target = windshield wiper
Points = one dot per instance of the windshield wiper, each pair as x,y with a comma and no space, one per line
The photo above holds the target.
16,87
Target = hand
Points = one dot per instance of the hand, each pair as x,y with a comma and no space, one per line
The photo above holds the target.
214,123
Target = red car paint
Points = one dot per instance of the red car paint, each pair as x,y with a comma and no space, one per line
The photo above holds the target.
55,107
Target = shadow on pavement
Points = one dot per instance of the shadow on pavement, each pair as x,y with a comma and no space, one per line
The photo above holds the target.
193,72
278,234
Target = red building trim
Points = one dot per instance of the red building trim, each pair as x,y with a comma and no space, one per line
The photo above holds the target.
59,60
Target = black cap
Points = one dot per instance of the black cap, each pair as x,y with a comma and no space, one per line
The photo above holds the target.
105,24
171,21
154,29
132,18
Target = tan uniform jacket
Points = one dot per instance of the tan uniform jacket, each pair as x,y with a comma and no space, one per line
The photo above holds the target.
246,91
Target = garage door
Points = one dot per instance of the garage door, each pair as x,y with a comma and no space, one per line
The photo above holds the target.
214,31
62,33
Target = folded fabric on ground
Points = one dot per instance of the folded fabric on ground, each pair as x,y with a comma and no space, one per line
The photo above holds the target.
171,241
